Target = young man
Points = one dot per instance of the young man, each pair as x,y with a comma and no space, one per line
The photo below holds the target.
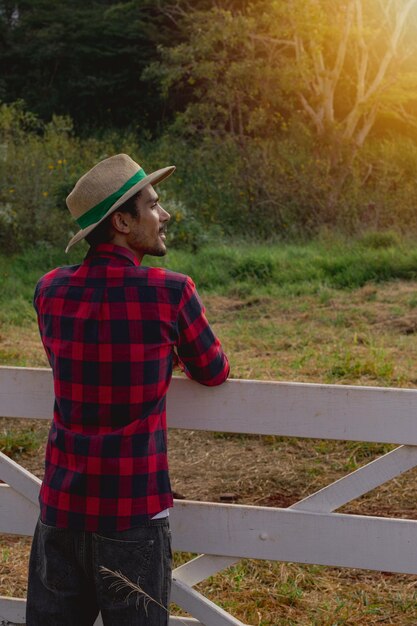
112,331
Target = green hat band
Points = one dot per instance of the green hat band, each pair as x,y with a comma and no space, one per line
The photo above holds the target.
94,215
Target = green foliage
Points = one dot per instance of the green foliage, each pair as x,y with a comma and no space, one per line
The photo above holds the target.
83,59
34,163
185,231
348,365
18,277
380,239
274,268
267,145
275,130
13,442
258,268
230,82
271,121
39,164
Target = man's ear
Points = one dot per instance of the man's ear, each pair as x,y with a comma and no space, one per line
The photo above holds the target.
120,222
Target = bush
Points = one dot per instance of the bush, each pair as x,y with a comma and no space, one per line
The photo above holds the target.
253,189
376,240
39,165
258,267
185,231
35,160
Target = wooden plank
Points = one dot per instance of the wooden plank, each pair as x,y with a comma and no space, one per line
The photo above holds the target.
183,621
26,392
287,409
197,605
173,621
202,567
18,515
297,410
327,499
287,535
19,478
360,481
12,611
266,533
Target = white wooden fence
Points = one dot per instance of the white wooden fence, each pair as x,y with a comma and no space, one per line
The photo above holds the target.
307,532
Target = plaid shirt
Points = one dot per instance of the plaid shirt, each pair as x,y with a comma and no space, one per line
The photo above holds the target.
110,328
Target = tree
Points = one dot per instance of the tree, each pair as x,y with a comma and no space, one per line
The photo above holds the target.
349,66
339,70
222,79
83,58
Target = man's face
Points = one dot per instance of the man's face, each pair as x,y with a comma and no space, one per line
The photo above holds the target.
147,230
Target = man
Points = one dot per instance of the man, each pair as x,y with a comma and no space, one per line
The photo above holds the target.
113,330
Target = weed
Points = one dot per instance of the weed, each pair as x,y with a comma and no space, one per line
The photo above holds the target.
255,268
289,593
412,302
375,365
324,296
16,442
5,555
377,239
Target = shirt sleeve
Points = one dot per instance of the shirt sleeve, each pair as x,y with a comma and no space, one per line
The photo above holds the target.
199,351
37,306
35,297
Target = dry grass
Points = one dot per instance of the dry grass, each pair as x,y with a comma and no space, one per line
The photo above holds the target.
367,336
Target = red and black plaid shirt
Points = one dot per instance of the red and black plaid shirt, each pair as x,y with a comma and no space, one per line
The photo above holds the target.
109,327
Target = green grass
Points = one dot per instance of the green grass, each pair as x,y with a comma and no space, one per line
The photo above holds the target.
294,268
14,442
240,270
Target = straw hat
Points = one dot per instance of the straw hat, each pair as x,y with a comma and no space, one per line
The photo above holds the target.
106,187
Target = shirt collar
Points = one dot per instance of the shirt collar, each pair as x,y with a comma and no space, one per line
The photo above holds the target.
109,250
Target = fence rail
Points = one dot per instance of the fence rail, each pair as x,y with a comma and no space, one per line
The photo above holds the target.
307,532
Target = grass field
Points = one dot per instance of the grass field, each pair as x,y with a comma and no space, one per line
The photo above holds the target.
323,312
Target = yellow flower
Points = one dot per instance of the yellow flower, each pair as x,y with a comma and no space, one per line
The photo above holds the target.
11,190
59,161
50,166
45,194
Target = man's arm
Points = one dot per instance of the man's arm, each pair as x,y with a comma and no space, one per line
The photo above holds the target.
199,350
37,306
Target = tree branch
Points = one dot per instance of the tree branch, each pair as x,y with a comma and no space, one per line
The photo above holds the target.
364,94
341,51
363,54
392,48
273,40
367,125
317,117
406,117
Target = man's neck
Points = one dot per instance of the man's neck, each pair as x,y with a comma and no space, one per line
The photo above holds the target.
120,240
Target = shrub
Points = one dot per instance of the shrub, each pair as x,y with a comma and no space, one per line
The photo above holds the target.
376,240
271,188
185,231
39,164
253,267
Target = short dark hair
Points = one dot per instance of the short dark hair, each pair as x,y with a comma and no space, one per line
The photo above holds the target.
103,233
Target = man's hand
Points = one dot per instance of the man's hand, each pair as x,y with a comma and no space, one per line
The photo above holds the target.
176,363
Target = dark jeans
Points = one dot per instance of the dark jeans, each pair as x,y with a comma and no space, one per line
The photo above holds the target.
68,587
